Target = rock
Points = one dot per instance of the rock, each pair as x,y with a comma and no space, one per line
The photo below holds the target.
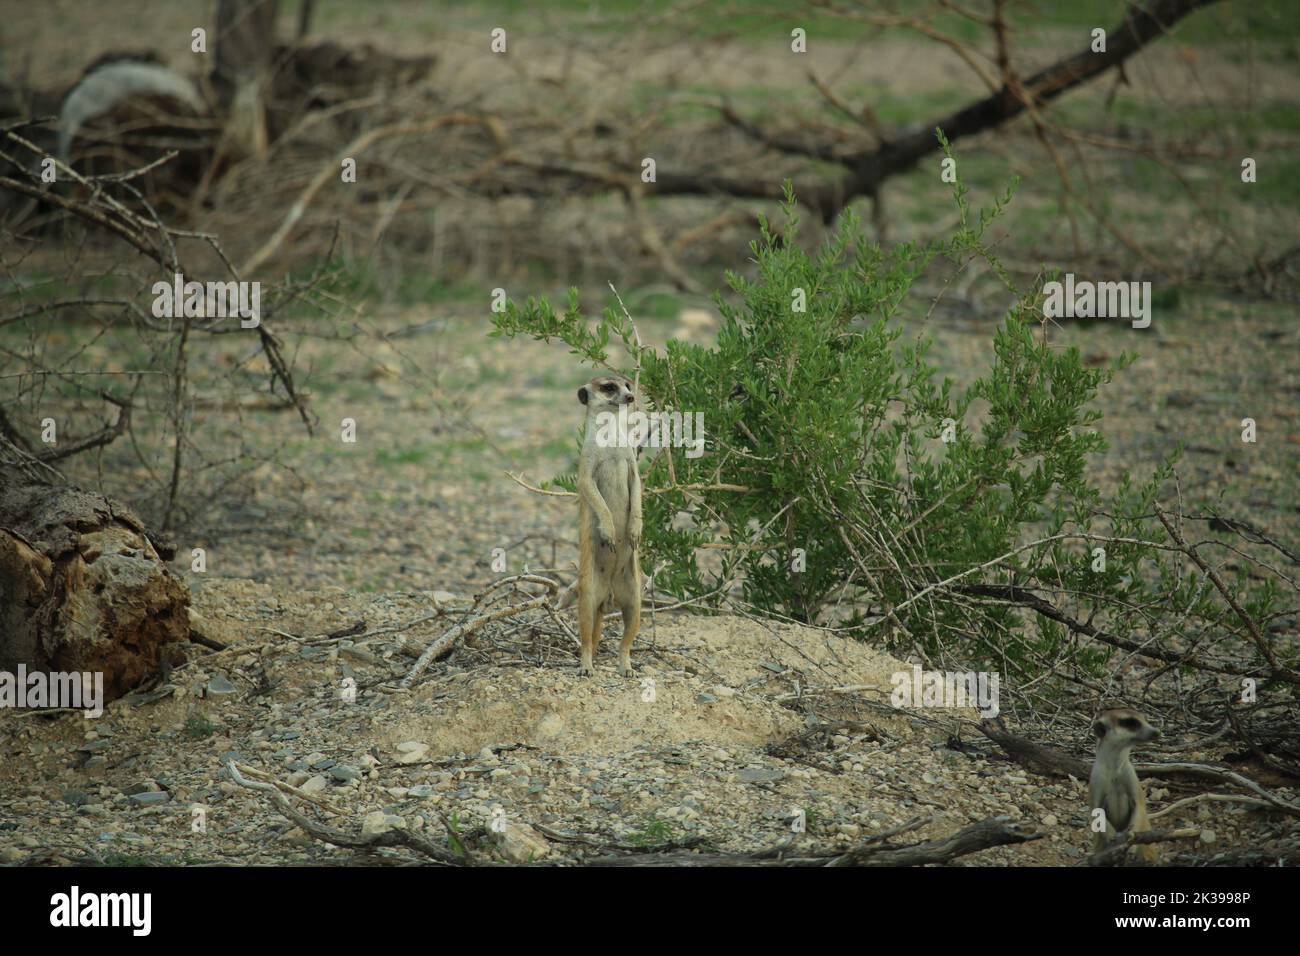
379,822
296,837
411,751
315,785
344,773
1208,836
421,791
144,786
220,687
759,775
75,798
520,843
152,798
1050,820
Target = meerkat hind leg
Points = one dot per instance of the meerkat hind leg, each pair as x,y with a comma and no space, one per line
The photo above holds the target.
588,630
628,596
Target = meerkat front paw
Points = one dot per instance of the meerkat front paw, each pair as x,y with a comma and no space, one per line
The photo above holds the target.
586,670
634,534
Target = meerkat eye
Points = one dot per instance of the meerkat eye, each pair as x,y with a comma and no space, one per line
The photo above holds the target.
607,387
1130,723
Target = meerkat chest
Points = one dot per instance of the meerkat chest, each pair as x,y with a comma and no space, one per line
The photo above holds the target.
1116,791
611,477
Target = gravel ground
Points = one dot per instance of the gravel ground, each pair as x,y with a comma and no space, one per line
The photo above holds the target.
505,731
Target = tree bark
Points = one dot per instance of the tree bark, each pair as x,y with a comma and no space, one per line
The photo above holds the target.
865,172
245,49
82,587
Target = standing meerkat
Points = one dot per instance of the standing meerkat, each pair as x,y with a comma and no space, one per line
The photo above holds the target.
609,518
1113,786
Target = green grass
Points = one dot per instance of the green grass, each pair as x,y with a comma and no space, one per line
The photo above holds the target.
198,727
653,832
360,280
1270,22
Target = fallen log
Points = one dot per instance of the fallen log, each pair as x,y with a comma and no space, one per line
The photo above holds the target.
82,588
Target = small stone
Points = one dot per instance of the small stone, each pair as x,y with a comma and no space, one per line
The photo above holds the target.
520,843
1050,820
378,822
296,837
411,751
152,798
220,687
750,775
1208,836
344,773
315,785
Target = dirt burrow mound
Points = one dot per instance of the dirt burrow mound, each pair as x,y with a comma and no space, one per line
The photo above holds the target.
716,680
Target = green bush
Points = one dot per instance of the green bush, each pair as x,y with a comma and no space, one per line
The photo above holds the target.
825,432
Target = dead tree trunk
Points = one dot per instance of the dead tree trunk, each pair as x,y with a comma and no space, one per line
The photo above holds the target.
82,588
245,49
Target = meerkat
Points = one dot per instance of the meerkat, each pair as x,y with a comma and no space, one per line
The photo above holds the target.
609,518
1113,786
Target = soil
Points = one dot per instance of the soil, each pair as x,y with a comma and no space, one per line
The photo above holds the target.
404,520
318,533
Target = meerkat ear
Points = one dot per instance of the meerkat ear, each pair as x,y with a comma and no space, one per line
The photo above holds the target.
582,394
1099,729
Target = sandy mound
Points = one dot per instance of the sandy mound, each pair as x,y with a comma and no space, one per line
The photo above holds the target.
714,680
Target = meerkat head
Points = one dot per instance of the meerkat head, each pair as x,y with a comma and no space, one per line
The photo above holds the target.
605,393
1122,728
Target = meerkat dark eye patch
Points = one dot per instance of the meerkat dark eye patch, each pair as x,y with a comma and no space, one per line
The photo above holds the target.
1099,729
1130,723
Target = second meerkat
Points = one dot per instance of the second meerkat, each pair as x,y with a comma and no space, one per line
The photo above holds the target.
1113,786
609,519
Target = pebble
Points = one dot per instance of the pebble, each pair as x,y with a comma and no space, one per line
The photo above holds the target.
220,687
151,798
